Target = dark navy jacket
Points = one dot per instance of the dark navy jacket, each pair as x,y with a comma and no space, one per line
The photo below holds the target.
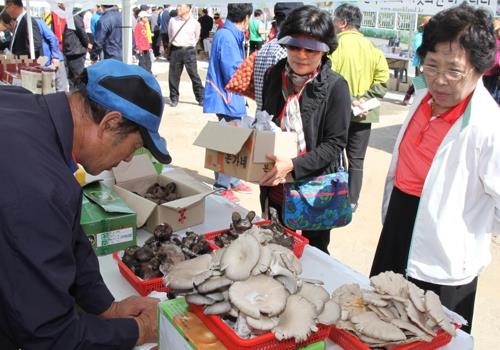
108,36
47,265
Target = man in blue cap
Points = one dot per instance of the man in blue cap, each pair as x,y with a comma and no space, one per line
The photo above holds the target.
47,264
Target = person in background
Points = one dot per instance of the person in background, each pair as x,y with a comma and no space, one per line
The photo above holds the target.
55,60
57,298
75,46
366,71
19,44
218,21
108,35
94,19
164,19
491,77
142,45
155,28
272,51
305,78
256,31
417,41
442,195
86,22
187,33
206,23
225,58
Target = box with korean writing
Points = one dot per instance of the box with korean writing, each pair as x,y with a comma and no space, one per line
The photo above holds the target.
242,152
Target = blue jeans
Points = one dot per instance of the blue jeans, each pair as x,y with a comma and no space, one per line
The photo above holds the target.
222,180
225,181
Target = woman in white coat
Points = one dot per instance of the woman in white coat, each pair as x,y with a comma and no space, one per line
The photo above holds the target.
442,196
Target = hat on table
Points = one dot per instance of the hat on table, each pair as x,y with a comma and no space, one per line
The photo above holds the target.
135,93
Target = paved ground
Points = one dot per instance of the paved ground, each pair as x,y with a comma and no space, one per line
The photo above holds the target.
356,243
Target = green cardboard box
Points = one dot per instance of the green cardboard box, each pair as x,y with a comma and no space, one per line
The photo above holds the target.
108,222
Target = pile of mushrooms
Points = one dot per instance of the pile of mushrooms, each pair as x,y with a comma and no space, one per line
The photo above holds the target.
254,286
240,225
395,312
162,251
162,194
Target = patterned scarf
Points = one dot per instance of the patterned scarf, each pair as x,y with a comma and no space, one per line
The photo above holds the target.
292,87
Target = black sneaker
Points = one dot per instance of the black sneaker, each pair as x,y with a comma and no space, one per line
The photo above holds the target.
174,103
200,103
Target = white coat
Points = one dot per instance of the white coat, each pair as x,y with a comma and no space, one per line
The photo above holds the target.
459,207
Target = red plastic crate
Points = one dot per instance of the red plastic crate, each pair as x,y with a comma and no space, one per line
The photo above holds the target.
349,341
143,287
265,341
299,241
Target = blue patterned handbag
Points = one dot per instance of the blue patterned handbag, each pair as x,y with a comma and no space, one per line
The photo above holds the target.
320,203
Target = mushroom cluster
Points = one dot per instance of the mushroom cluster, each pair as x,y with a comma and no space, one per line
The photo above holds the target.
162,194
162,251
254,286
395,312
240,225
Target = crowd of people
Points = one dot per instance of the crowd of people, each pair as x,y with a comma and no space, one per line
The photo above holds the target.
442,195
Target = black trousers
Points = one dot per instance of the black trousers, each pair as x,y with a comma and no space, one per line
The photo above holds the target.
357,144
144,60
164,40
74,67
179,58
155,44
393,249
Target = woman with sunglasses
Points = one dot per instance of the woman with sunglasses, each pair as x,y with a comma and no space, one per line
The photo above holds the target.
442,195
305,95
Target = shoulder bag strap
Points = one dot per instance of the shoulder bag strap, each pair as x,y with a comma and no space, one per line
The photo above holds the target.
175,35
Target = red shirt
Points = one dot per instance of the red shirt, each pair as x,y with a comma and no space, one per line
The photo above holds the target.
420,142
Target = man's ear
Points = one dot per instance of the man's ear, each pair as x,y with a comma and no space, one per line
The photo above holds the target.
109,122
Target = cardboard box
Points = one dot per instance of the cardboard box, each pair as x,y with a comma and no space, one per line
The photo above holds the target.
106,219
134,178
242,152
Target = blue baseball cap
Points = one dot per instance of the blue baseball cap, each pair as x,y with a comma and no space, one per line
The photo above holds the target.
135,93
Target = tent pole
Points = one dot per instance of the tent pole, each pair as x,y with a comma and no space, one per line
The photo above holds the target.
127,30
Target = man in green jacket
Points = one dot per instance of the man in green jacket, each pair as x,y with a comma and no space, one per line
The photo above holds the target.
366,71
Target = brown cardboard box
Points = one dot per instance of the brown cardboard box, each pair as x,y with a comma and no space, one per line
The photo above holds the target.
134,178
241,152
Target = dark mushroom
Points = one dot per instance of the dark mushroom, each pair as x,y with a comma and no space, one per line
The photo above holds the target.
163,232
144,254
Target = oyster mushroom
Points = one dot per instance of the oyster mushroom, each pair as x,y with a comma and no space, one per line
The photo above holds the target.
240,257
263,323
369,324
316,295
198,299
408,326
189,273
435,309
373,299
416,296
214,283
218,308
163,232
258,294
264,261
330,313
216,296
297,321
390,283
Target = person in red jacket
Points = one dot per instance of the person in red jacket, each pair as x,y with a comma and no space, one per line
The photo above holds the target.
142,44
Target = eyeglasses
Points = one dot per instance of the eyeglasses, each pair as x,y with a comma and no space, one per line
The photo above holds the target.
449,74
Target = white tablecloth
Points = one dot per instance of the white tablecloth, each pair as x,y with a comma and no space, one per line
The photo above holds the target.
315,264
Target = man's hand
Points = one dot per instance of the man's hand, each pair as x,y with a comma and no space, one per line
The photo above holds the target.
55,62
130,307
148,325
277,175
